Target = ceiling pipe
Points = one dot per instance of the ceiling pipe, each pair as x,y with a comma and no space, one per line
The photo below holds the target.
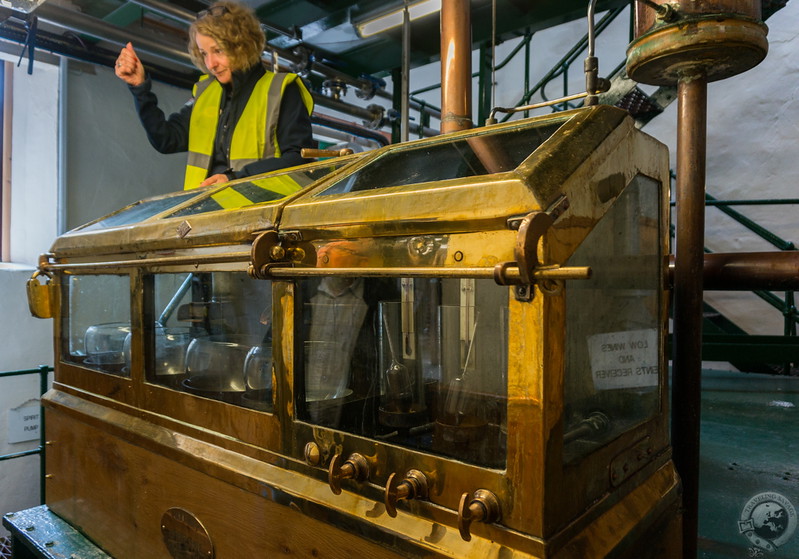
167,10
456,61
94,27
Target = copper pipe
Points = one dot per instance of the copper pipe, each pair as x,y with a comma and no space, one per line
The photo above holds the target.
456,61
748,271
688,271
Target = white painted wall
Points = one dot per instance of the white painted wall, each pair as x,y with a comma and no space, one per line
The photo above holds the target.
34,165
110,163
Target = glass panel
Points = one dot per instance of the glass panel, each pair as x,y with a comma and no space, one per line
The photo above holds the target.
613,324
256,191
419,363
142,210
212,337
476,155
97,322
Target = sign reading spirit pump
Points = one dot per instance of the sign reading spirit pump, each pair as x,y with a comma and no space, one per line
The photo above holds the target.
23,422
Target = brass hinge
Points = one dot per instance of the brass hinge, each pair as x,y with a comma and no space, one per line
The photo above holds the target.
271,249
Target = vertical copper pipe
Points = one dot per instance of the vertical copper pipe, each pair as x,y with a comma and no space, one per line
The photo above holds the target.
456,63
688,274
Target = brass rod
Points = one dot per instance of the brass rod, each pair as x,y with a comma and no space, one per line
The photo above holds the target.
511,273
688,277
492,119
143,262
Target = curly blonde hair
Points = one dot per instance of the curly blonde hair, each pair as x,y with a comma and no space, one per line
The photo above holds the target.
236,30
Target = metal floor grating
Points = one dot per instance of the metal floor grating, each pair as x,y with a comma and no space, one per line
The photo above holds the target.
5,548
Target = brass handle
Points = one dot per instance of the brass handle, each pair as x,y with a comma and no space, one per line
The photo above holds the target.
310,153
483,507
355,467
414,486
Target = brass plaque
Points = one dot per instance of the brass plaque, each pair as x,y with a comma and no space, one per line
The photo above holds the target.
184,536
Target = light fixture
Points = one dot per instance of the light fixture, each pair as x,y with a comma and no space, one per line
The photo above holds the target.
394,19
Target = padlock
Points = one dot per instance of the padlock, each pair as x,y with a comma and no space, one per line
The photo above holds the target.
40,296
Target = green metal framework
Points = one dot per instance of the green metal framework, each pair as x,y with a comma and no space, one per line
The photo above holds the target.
43,371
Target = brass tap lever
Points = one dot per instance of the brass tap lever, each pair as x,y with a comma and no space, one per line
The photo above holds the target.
414,486
482,507
354,467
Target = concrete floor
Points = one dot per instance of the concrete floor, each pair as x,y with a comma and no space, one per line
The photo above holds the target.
749,446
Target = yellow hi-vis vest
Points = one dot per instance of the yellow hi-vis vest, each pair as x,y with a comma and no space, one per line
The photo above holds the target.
255,135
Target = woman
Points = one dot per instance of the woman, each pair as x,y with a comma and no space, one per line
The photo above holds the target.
242,119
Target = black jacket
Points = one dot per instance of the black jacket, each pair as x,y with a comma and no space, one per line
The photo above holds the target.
171,135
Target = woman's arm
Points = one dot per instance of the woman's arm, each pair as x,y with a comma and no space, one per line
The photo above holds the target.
166,135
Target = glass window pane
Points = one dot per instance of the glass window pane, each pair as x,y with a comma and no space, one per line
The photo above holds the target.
142,210
97,322
613,324
212,337
476,155
419,363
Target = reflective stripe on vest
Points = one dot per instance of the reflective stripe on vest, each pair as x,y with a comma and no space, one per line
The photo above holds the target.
255,134
283,185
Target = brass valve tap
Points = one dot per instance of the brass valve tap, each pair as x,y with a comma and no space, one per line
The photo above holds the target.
482,507
354,467
414,486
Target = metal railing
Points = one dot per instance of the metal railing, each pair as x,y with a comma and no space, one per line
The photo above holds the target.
44,372
786,305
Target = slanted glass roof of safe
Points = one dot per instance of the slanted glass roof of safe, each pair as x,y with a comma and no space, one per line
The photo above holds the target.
461,157
237,194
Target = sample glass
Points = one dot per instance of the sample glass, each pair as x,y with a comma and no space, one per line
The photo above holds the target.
211,336
97,322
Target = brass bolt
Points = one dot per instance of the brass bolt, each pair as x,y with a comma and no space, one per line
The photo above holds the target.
277,252
313,455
